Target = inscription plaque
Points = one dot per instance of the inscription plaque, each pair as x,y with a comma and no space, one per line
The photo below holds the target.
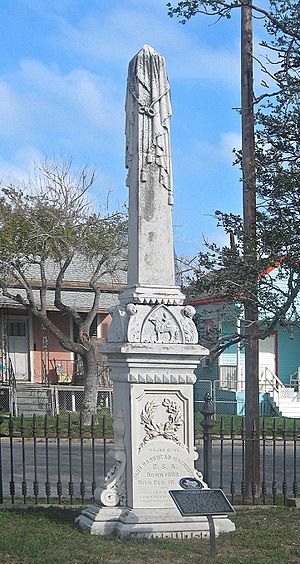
193,502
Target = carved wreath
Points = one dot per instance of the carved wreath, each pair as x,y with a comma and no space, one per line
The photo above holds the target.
166,430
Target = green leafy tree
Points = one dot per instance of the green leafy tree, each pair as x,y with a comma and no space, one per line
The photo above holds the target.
263,233
278,204
45,225
280,15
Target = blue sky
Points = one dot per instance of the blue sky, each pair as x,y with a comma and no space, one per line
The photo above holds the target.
63,68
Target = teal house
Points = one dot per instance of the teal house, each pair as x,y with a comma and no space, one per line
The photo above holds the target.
223,373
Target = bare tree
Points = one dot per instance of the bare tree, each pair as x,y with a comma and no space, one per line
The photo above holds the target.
47,223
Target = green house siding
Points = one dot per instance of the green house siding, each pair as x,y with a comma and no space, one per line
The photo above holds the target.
288,354
229,356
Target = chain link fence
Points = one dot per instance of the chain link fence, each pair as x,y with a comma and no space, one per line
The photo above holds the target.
201,388
4,399
70,399
227,401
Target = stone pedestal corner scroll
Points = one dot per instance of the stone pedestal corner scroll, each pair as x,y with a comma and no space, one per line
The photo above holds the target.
152,343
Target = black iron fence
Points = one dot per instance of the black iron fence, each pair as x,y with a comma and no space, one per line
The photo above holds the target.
59,459
223,447
52,459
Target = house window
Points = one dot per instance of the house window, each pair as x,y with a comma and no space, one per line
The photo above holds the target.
208,339
209,336
228,377
93,329
16,329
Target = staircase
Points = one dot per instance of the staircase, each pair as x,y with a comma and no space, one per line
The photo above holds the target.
33,398
289,406
285,398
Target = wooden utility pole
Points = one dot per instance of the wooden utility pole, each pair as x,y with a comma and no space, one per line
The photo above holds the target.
252,458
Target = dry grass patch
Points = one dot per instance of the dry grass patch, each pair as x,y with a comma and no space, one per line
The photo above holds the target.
268,535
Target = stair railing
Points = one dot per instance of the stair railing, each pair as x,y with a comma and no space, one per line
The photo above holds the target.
13,403
270,383
52,401
295,379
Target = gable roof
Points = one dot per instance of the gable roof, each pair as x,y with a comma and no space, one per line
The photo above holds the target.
76,290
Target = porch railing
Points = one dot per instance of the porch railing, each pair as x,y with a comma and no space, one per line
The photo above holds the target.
228,377
268,382
66,371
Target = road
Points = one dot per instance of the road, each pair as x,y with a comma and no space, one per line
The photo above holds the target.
59,467
82,464
231,467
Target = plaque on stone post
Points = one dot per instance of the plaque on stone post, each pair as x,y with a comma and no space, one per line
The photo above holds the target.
152,346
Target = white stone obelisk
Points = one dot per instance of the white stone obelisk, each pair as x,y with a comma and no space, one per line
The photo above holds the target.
148,160
152,344
149,164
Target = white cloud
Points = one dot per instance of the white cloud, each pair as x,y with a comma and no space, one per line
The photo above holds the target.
12,116
18,168
113,37
229,141
79,91
217,236
41,105
203,62
206,155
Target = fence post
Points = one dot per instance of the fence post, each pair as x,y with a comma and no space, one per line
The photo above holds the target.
207,412
1,477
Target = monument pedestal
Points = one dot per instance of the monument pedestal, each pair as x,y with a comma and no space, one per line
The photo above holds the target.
153,403
154,442
148,524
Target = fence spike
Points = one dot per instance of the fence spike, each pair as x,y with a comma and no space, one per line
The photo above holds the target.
81,426
58,425
222,428
46,426
34,425
69,426
22,426
243,427
10,425
93,427
284,428
232,428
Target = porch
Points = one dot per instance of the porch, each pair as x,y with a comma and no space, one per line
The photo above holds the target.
285,399
38,399
29,353
54,395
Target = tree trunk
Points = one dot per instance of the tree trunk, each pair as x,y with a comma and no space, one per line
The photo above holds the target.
89,406
252,455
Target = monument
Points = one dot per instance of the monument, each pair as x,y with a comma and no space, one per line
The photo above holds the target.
152,344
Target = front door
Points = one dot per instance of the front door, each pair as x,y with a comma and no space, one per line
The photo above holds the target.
267,362
18,348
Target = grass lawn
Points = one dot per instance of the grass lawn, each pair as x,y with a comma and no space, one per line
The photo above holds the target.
69,425
64,425
264,535
234,424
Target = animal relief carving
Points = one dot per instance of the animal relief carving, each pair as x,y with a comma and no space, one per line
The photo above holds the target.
161,327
